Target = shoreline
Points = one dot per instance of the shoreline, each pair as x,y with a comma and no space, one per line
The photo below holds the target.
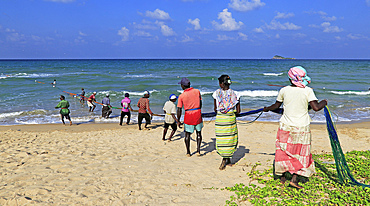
94,126
108,164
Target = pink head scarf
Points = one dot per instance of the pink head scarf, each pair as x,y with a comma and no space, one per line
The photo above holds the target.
299,77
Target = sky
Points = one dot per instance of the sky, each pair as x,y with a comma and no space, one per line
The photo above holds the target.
189,29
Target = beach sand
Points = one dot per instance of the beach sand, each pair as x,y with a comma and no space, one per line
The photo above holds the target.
108,164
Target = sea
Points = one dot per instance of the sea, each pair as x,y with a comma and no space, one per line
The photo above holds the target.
28,97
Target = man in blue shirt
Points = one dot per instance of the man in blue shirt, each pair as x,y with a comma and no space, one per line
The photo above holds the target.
106,111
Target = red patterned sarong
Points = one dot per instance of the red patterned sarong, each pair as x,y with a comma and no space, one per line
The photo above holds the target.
293,151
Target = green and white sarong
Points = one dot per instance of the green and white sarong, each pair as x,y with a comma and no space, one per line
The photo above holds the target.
226,134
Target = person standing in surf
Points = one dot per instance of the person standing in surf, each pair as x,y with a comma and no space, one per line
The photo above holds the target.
226,105
191,100
126,108
64,111
82,96
90,102
293,141
144,108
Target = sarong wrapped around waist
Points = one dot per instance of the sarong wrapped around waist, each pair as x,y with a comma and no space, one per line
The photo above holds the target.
293,151
226,134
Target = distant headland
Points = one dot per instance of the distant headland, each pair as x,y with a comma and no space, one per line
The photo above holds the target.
280,57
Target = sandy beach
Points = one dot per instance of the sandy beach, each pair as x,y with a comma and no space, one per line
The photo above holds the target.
108,164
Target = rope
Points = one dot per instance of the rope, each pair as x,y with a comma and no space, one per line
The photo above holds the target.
344,174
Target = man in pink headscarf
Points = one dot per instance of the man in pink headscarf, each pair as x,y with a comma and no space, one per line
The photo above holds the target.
293,142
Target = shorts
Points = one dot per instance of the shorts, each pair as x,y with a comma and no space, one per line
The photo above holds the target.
191,128
90,104
173,126
66,116
142,116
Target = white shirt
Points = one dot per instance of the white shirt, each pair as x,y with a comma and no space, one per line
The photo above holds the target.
295,103
170,108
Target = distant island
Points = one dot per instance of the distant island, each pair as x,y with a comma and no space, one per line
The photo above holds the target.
280,57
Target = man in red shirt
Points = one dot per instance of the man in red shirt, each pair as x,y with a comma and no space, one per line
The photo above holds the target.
90,102
191,100
143,105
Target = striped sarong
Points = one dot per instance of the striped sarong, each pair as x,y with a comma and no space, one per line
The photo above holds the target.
293,151
226,134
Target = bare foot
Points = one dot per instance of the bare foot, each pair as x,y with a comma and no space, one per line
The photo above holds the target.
169,140
295,185
282,180
188,155
223,165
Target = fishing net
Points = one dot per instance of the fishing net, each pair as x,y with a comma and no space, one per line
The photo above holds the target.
344,174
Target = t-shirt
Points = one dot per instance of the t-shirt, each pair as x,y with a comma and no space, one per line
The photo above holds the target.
106,101
170,108
125,103
143,105
64,104
190,99
91,98
295,103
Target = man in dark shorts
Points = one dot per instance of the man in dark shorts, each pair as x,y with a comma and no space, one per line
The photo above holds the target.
143,105
107,108
64,112
82,96
170,119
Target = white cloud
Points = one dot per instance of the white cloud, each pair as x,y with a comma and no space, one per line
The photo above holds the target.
277,36
228,23
242,36
356,36
245,5
258,30
224,37
328,18
82,34
146,25
330,29
158,14
283,15
124,33
15,37
186,38
337,38
36,38
275,25
167,31
143,33
62,1
195,23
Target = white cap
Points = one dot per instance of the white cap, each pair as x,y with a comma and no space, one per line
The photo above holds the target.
146,92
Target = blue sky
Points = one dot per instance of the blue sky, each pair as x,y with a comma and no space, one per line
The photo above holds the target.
250,29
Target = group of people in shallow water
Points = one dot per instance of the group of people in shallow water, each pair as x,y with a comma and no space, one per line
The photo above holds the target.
293,141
